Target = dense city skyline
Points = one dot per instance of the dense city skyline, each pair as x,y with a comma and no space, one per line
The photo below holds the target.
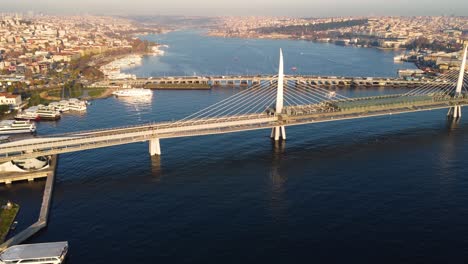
317,8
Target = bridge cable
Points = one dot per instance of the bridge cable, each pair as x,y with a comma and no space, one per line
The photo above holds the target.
237,103
427,86
244,101
431,86
220,103
309,98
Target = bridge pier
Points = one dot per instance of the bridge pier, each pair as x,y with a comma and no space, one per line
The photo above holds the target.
154,147
278,133
454,112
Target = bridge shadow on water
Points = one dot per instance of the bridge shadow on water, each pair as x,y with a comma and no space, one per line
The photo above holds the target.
156,171
193,155
294,148
220,153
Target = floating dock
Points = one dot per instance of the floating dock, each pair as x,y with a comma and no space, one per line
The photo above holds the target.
44,213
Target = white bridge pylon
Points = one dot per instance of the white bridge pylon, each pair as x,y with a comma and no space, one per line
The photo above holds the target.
455,111
279,131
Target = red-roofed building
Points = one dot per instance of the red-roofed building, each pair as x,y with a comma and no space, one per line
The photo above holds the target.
12,100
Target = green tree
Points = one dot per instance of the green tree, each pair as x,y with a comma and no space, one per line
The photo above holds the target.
4,108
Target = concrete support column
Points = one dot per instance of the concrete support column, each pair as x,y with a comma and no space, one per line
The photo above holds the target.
278,133
154,147
454,112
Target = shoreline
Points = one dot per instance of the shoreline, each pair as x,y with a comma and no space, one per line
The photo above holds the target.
288,37
105,94
114,67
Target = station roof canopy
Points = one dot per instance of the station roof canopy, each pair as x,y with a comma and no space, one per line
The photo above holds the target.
34,251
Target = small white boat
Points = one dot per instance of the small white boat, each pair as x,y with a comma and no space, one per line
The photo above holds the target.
134,92
16,127
399,58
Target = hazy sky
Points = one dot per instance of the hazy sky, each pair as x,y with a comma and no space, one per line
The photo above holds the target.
242,7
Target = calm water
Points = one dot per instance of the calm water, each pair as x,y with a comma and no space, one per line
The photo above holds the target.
386,189
191,53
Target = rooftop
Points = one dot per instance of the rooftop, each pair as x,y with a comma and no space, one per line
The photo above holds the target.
32,251
8,95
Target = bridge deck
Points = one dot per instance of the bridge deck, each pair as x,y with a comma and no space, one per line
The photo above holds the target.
70,142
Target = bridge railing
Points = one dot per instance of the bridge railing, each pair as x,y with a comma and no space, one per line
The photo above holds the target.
162,124
77,144
128,131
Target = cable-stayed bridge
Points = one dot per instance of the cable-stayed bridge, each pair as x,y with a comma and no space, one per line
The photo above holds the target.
266,105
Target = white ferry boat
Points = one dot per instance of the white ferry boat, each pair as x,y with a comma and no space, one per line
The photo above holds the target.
16,127
43,253
39,112
135,92
77,105
28,115
59,106
46,113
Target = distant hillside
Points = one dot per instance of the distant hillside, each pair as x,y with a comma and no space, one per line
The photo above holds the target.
299,29
175,21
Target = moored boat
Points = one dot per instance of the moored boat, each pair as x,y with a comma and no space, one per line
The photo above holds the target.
133,92
77,105
48,114
59,106
16,127
28,115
